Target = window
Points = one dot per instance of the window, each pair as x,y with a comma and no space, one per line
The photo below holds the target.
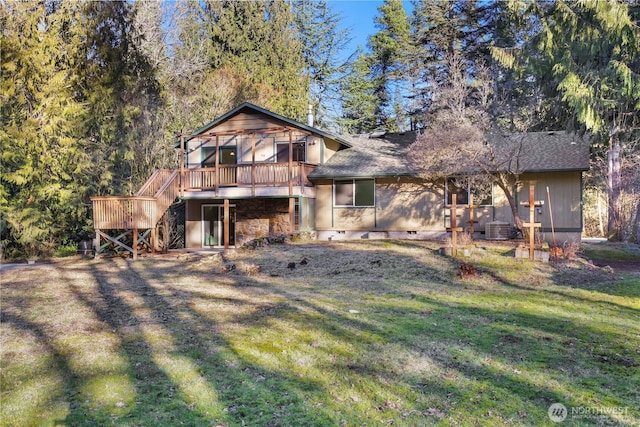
299,152
227,156
354,192
482,194
208,157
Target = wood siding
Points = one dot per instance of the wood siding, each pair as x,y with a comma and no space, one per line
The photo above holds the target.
407,204
401,204
265,143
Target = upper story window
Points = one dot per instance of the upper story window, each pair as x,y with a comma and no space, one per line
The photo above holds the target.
482,194
354,192
299,151
227,156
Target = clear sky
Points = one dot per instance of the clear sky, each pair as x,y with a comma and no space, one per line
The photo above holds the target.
358,16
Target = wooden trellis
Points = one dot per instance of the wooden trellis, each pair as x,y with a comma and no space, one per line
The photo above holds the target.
454,229
532,225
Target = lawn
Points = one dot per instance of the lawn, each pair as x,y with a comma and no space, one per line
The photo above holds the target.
366,333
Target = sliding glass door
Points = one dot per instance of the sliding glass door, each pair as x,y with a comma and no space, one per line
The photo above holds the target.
213,226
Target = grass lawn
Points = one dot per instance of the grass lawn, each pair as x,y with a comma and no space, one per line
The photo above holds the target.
366,333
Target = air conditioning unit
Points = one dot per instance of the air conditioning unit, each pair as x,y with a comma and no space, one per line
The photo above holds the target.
497,230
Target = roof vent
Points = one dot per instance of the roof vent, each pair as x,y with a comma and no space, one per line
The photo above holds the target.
378,134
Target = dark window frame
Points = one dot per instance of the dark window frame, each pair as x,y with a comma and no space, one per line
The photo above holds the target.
461,201
359,195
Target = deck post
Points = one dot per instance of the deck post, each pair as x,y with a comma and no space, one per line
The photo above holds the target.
182,162
165,233
292,213
154,239
253,164
225,225
134,246
290,162
216,177
96,244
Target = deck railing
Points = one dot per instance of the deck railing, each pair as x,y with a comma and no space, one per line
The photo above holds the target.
123,212
155,182
258,174
142,211
146,208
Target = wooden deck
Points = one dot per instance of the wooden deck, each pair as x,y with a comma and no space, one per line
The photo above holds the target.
145,209
248,175
141,211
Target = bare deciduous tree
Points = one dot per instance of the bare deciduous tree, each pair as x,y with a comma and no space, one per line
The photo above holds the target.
459,143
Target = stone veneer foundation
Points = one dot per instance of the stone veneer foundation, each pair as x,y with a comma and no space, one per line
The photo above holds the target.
260,218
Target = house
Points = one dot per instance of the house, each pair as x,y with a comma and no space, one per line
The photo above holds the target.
370,190
252,173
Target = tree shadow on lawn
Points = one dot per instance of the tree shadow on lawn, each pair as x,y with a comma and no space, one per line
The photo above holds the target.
59,363
599,293
417,352
514,332
193,370
548,337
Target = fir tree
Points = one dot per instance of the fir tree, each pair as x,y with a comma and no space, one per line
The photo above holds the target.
44,161
359,102
586,55
323,44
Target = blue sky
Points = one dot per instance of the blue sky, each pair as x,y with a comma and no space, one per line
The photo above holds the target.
358,15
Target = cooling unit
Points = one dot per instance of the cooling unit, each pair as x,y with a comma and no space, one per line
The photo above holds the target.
497,230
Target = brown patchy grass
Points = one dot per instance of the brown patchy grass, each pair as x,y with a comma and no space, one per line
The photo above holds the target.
380,332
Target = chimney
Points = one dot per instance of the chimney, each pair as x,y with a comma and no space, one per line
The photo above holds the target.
310,116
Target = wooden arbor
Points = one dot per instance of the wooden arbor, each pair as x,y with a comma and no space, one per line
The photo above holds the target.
532,225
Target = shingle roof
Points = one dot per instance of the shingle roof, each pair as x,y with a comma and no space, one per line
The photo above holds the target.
548,151
387,155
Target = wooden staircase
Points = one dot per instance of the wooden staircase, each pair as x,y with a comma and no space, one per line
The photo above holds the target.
129,215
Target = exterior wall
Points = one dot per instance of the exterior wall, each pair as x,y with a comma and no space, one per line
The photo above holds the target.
329,148
411,208
254,218
265,143
402,205
565,189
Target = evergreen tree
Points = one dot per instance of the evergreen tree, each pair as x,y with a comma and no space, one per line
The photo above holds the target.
323,42
45,166
388,47
123,95
359,102
257,40
586,55
442,29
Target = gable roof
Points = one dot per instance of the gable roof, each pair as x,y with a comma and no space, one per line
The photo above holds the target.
247,107
387,156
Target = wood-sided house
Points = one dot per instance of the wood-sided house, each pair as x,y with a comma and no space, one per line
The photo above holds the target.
252,173
370,190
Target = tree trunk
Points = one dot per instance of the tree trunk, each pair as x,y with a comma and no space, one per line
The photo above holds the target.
614,183
600,219
517,220
638,224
